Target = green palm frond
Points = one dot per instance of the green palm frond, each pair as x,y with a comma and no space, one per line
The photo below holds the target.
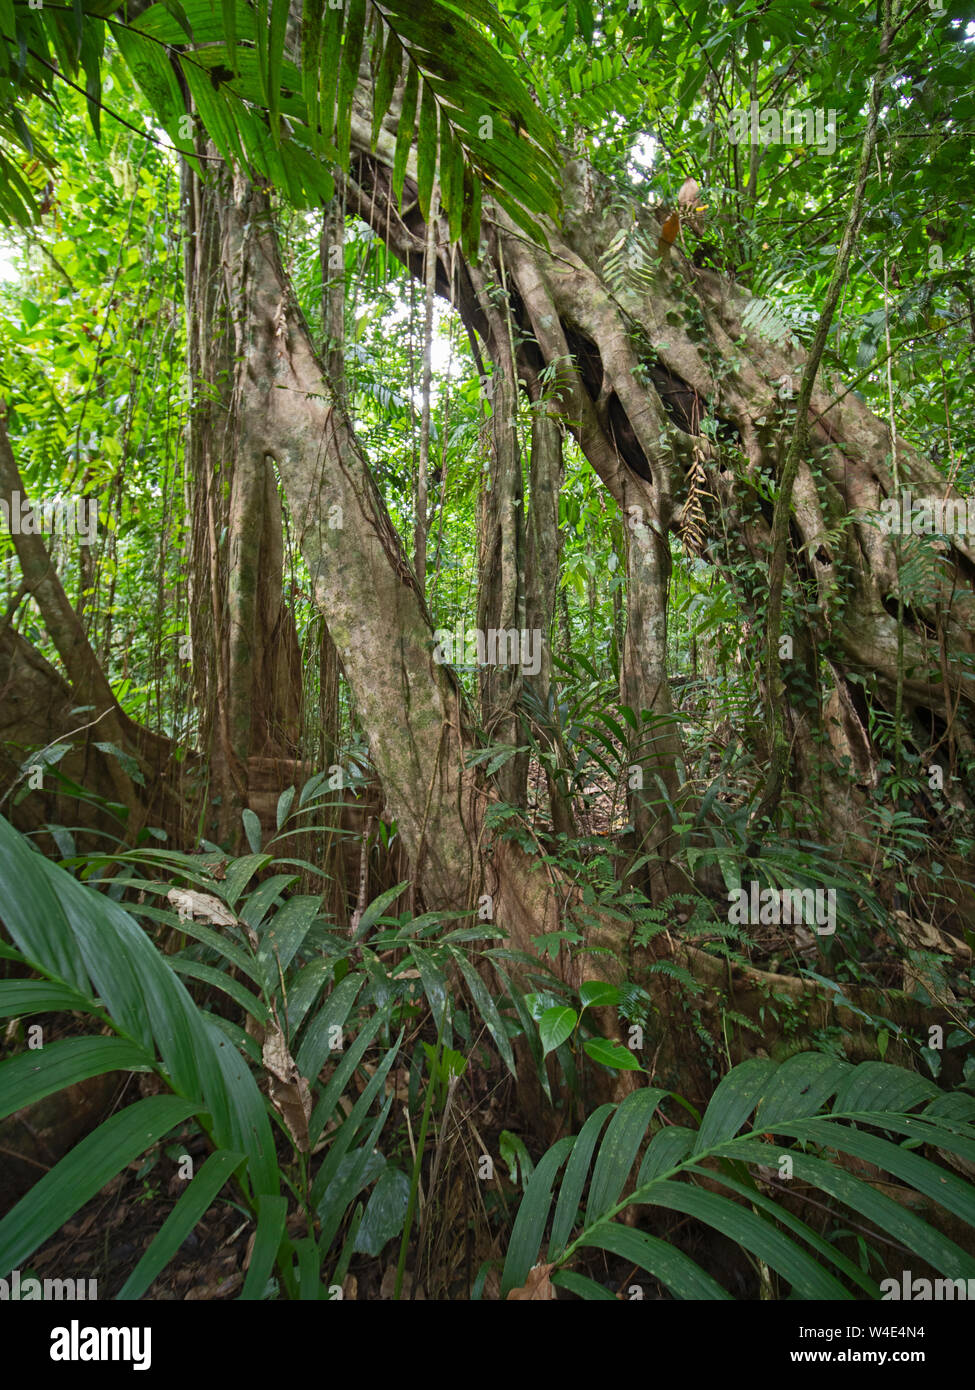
282,103
790,1119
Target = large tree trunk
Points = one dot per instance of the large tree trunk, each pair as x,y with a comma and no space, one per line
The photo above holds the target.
245,656
410,705
541,594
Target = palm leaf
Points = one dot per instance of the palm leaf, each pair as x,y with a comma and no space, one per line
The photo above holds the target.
24,1081
869,1102
65,928
55,1198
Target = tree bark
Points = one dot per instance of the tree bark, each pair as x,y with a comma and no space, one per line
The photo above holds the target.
245,655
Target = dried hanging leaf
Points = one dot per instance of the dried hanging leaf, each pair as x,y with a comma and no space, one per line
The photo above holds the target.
287,1088
693,518
202,905
688,194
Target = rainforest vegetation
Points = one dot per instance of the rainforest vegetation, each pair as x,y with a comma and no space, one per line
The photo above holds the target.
487,649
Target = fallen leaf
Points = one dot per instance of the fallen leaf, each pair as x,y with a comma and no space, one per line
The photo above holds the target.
228,1285
537,1286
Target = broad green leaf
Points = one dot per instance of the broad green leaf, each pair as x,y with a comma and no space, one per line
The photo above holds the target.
232,953
240,873
283,937
737,1096
311,51
311,980
941,1185
355,1172
263,897
252,829
895,1219
451,190
355,19
801,1086
487,1009
20,998
516,1156
32,914
576,1172
271,1214
387,74
809,1279
145,997
597,994
222,980
667,1150
378,907
879,1086
582,1285
434,984
31,1075
198,1197
533,1041
756,1197
229,8
555,1025
350,1130
940,1136
619,1148
529,1227
288,795
72,1182
314,784
471,219
958,1106
671,1266
611,1054
150,66
337,1082
278,30
385,1212
309,1269
404,131
320,1034
247,1127
426,149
